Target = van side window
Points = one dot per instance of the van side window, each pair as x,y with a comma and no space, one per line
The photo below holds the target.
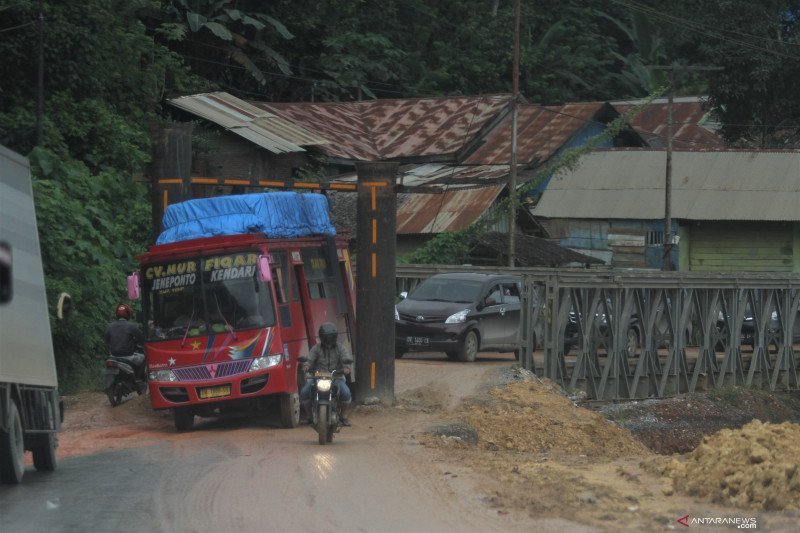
495,294
511,293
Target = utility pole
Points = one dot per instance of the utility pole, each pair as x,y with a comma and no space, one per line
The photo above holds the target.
512,175
666,262
40,81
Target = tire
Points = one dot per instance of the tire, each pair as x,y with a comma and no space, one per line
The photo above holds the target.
184,419
116,393
470,348
44,453
398,354
290,410
12,448
322,424
631,342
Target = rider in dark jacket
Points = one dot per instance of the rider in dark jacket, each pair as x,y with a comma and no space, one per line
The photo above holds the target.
328,355
122,336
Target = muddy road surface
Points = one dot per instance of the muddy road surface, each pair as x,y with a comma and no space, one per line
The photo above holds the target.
126,468
467,447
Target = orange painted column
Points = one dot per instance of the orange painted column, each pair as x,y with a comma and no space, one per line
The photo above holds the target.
375,282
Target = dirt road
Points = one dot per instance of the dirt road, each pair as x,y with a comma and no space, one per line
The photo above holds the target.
539,462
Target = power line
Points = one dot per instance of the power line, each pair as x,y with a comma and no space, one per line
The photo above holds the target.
697,28
644,8
31,23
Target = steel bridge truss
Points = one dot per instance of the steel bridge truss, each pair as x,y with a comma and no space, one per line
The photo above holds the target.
648,335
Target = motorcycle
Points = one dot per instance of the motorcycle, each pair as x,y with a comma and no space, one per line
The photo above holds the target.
326,415
122,377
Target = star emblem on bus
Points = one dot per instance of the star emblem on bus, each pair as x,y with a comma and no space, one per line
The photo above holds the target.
196,345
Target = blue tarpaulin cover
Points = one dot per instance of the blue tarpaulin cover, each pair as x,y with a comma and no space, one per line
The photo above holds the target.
275,214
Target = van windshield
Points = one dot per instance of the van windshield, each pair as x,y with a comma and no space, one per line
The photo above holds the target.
204,296
447,290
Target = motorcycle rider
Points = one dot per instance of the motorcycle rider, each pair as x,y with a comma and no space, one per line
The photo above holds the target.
327,356
124,338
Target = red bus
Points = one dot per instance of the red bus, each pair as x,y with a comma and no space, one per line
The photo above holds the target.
226,318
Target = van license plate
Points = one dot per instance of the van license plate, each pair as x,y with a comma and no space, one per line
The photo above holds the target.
418,341
214,392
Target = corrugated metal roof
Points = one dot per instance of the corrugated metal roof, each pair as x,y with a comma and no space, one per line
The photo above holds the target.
541,132
714,185
256,125
688,116
450,211
394,128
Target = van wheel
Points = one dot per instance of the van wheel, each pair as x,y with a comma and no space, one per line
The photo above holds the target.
44,453
184,419
290,410
12,448
470,348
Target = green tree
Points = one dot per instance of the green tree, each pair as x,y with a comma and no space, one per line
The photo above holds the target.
104,83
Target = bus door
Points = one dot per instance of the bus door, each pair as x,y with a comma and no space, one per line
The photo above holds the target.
301,298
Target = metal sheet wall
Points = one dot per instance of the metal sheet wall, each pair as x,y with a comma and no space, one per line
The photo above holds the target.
740,247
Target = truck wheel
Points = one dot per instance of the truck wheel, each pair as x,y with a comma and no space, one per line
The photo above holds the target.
184,419
12,448
290,410
322,424
470,348
44,453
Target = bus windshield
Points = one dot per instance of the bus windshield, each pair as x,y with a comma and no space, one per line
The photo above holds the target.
203,296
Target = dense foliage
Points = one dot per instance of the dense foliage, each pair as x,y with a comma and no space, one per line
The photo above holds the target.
110,64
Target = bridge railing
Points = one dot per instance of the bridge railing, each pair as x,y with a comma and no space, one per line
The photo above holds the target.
638,334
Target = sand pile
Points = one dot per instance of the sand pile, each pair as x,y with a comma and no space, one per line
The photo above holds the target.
534,417
753,467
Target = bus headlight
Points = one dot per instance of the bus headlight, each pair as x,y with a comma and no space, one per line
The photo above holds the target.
161,375
268,361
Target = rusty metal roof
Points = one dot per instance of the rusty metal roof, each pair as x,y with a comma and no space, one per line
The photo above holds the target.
395,128
469,192
541,132
688,117
256,125
450,211
712,185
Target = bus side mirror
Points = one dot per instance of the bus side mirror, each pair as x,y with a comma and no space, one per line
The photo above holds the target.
264,272
133,286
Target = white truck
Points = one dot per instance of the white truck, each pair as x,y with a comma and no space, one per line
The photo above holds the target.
30,409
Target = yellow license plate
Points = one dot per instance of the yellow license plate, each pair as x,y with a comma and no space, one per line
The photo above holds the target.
214,392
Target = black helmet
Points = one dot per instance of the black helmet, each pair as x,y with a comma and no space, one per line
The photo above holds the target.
328,334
